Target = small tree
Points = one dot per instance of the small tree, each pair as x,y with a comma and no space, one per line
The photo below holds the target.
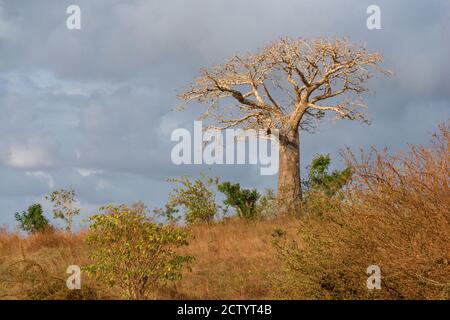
197,198
33,219
63,206
243,200
319,179
131,252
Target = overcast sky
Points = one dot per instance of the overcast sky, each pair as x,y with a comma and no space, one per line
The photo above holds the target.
93,108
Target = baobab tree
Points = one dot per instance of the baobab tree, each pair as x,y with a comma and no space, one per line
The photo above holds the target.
288,85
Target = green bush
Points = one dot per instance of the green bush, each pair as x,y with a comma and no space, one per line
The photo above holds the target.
131,252
196,197
243,200
33,219
323,190
319,179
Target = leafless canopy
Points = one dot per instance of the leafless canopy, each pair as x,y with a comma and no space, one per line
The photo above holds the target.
287,84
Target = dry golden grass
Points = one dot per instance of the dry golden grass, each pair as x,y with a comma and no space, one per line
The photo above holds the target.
233,260
34,267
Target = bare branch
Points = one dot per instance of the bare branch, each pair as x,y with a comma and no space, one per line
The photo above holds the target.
345,110
300,72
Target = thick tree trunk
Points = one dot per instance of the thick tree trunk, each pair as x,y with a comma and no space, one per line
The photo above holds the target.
289,189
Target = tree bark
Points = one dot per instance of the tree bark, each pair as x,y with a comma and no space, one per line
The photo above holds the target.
289,187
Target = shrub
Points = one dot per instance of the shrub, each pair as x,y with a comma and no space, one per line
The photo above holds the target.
323,190
33,219
131,252
196,197
243,200
319,179
395,215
